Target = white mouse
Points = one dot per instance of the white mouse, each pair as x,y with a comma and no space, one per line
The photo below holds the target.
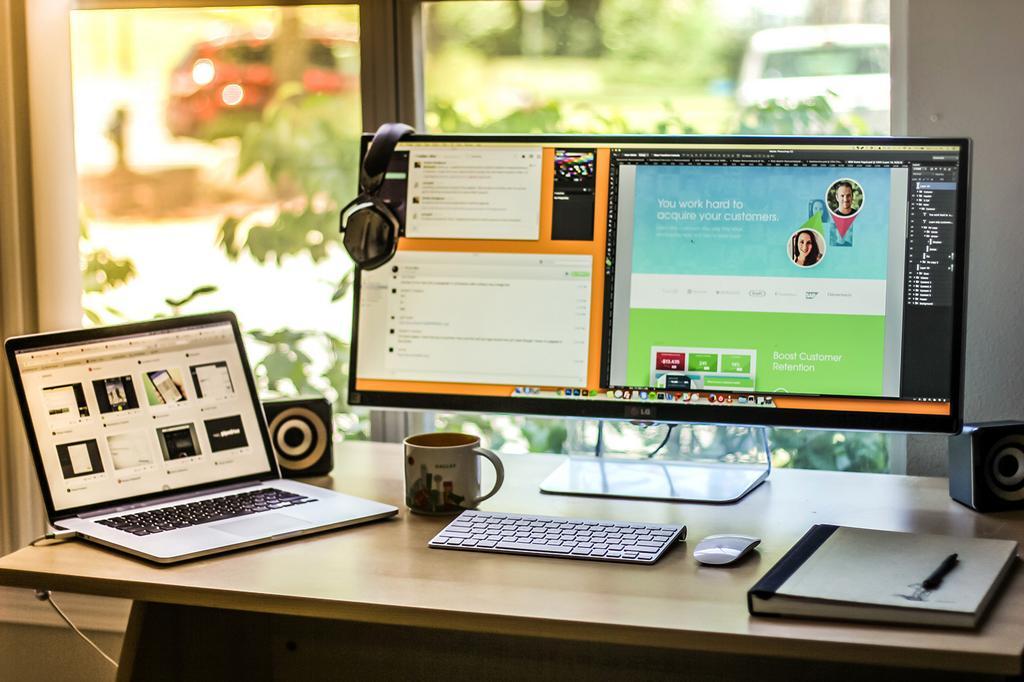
722,550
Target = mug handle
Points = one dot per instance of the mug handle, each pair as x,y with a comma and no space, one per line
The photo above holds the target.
499,472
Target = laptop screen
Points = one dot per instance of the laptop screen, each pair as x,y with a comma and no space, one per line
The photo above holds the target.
142,413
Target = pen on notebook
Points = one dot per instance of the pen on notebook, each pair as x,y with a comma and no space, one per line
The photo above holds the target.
935,579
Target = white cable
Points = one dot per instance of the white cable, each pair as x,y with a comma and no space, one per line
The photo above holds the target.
44,595
57,537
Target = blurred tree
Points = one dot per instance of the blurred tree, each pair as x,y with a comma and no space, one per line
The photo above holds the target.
304,145
545,435
290,47
813,116
510,27
685,33
491,28
571,29
552,117
543,118
841,451
101,272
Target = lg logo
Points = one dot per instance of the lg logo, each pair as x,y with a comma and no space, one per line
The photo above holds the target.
638,411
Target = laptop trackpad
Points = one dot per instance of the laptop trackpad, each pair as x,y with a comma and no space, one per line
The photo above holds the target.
267,524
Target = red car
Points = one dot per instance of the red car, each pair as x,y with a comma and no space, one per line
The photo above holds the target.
237,74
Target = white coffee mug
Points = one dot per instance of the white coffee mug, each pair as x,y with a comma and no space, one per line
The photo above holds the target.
442,472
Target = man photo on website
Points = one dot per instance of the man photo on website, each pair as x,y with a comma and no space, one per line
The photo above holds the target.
845,197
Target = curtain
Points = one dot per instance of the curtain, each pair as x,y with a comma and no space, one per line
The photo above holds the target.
22,515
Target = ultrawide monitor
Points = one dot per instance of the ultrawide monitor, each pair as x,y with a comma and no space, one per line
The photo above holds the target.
801,281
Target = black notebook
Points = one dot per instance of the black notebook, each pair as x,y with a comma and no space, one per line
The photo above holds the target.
876,575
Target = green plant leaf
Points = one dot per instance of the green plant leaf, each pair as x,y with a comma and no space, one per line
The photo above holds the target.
343,286
227,236
196,293
101,271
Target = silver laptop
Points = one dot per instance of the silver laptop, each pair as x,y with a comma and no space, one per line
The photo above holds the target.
150,438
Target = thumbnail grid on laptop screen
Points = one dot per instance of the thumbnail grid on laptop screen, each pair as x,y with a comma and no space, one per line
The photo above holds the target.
140,414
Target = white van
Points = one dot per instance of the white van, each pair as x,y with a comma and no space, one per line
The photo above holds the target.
796,63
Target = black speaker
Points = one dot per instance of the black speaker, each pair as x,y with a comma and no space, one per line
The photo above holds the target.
301,433
986,466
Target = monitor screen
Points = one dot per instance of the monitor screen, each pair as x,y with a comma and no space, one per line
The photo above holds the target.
811,281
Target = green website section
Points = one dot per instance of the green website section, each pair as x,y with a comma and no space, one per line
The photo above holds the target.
796,353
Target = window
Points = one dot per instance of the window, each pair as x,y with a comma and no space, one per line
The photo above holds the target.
214,147
657,67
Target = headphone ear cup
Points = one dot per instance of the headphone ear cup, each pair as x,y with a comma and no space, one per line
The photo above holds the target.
371,233
370,226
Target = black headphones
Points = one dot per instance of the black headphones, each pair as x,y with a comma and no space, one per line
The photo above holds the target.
370,227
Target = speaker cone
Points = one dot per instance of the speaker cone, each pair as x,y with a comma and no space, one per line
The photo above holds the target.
299,437
1004,468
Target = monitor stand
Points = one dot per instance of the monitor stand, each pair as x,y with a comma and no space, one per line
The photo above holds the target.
645,479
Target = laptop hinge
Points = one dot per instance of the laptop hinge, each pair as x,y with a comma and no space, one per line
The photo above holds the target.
167,498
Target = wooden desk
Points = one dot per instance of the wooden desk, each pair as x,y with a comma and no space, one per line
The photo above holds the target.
374,600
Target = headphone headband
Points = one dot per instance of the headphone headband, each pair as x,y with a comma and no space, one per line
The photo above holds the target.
375,164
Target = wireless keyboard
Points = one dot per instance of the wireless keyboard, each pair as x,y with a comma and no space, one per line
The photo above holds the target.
635,543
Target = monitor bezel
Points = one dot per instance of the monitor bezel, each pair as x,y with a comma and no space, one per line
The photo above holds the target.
691,413
33,342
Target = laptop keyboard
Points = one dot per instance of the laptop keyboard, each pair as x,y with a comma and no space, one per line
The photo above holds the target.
205,511
636,543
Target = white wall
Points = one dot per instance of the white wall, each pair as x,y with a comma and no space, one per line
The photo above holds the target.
964,66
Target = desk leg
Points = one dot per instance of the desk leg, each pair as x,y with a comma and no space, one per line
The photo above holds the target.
169,642
130,644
